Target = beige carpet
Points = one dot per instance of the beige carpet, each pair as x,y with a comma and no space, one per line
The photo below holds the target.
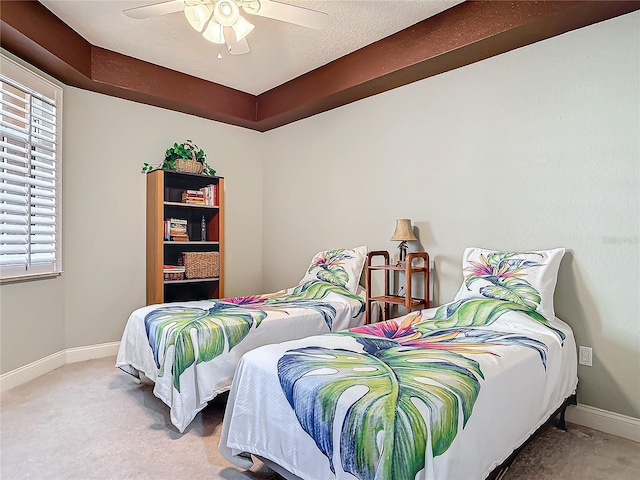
90,421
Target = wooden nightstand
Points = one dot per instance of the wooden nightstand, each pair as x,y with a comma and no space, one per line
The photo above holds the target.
409,270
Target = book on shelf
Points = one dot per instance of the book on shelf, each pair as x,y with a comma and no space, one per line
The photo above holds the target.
173,272
207,195
180,238
175,227
210,194
193,197
173,268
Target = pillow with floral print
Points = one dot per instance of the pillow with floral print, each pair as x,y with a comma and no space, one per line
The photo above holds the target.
525,278
340,267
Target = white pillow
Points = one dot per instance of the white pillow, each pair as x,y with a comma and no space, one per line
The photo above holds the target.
340,267
525,278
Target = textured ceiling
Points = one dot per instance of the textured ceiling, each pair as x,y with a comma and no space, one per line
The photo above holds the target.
279,51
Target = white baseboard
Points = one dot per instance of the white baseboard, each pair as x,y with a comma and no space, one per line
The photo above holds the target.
33,370
80,354
605,421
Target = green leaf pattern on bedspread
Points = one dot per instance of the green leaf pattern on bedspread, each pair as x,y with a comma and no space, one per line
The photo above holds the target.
195,335
505,276
474,312
401,370
330,269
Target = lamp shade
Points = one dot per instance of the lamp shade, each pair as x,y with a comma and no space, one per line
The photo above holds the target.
403,232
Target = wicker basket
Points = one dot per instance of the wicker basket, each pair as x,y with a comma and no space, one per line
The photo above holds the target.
188,165
201,264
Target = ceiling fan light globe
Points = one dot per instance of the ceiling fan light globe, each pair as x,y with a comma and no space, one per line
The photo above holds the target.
226,12
242,28
214,33
197,15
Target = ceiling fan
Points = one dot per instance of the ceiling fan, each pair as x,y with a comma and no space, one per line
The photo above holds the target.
220,21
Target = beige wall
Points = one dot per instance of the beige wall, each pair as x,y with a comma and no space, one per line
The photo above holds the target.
105,142
533,149
32,324
536,148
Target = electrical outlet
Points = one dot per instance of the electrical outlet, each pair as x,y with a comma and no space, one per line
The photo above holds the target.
586,356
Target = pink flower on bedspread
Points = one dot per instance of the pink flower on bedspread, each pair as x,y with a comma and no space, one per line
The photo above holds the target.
406,334
392,329
248,300
329,259
485,269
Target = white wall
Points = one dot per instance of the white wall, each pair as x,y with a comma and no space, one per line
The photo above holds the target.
533,149
105,142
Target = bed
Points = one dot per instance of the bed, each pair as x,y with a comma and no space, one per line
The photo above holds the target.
449,392
190,350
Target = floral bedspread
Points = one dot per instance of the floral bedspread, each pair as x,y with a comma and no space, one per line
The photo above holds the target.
190,350
442,393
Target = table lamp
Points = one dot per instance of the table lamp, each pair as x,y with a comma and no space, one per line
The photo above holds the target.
404,234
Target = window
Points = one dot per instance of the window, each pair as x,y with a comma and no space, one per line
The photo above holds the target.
30,174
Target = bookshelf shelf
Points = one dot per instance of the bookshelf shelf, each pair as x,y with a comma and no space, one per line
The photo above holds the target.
190,205
190,242
165,191
193,280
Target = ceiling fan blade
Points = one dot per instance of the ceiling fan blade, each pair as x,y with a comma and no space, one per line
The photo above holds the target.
291,14
156,9
237,47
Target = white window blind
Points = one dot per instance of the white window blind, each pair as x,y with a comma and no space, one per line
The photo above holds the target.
30,186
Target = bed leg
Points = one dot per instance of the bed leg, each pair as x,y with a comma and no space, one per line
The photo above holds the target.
562,425
572,400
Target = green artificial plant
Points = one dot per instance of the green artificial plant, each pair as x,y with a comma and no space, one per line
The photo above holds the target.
187,150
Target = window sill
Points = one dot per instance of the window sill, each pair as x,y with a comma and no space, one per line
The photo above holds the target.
25,278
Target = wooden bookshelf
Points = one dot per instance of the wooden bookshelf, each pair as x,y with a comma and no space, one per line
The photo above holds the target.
164,189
